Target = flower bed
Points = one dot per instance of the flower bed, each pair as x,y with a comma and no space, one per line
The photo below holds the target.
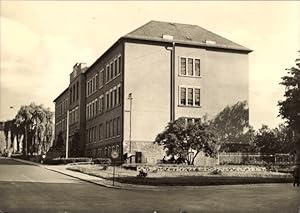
185,168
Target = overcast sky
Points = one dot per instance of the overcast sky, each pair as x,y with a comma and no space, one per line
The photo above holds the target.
41,41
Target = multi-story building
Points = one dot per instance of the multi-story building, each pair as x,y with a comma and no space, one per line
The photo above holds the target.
151,76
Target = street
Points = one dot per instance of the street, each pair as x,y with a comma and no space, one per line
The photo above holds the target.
34,189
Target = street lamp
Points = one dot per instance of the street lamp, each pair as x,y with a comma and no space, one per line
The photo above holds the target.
67,137
130,102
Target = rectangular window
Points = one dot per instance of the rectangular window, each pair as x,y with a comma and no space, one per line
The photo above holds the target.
119,64
101,99
114,127
107,100
115,96
183,96
100,132
120,95
107,73
197,67
111,70
115,68
118,126
107,129
183,66
190,96
197,97
101,79
190,67
111,98
110,128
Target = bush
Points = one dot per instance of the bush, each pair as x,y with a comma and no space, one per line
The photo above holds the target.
57,161
142,174
216,172
102,161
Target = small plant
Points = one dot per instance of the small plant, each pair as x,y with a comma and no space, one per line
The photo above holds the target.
142,174
216,172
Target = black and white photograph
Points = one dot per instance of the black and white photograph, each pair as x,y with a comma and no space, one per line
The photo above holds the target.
149,106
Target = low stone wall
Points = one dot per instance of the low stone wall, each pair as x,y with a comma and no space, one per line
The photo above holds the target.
186,168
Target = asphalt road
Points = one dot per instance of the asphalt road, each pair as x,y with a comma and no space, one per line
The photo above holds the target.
33,189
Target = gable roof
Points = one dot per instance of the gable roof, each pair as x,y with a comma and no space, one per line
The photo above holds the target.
184,34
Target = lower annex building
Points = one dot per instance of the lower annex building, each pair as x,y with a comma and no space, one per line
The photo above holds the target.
149,77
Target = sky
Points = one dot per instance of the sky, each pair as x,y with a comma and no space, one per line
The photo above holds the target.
40,42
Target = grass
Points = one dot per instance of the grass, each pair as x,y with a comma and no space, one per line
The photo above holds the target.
184,178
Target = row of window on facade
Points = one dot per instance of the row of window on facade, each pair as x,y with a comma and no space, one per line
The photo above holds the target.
103,152
112,99
112,129
62,107
189,96
74,92
112,70
61,125
74,115
190,67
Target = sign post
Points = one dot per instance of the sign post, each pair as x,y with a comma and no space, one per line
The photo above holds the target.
114,156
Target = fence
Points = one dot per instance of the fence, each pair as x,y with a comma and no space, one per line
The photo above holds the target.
239,158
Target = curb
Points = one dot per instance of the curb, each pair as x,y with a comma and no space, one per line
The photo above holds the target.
28,162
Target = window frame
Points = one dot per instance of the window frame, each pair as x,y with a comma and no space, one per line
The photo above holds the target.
187,58
187,87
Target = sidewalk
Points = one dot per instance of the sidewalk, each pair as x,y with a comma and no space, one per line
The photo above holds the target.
62,169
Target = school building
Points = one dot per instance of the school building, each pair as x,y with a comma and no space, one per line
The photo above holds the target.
149,77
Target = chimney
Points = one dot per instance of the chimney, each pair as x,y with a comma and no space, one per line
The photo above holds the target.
78,68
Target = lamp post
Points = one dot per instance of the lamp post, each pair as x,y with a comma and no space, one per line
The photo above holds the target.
130,106
67,136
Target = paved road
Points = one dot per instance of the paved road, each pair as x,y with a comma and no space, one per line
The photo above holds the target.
33,189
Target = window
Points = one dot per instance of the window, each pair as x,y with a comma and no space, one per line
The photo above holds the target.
111,98
118,126
119,91
115,96
115,68
190,96
110,128
197,67
101,103
119,65
183,66
107,129
111,70
101,78
100,132
190,67
183,96
106,100
114,127
77,91
197,97
107,73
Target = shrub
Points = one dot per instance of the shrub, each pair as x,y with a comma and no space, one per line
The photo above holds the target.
142,174
216,172
102,161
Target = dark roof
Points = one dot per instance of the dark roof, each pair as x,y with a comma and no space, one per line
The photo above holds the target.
61,94
183,33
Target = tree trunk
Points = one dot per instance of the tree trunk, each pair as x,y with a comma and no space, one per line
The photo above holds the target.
25,142
194,157
18,144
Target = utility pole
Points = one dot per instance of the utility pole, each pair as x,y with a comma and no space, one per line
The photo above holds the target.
67,137
130,99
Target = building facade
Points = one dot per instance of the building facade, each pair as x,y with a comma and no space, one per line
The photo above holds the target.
149,77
